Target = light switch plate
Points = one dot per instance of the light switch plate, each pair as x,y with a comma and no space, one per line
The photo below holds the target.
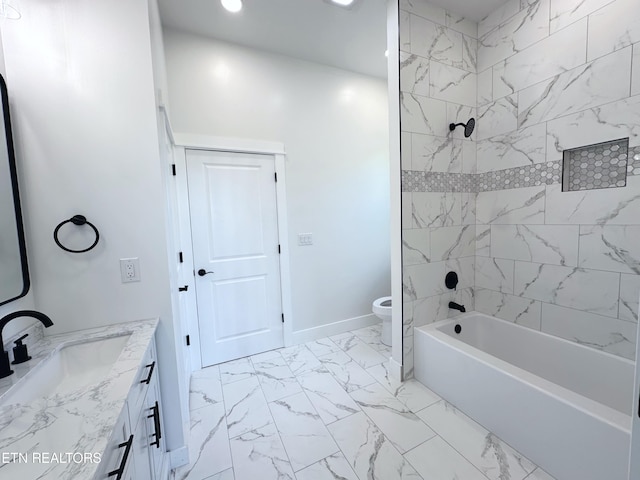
305,239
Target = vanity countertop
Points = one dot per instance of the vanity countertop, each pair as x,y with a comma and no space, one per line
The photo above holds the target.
38,440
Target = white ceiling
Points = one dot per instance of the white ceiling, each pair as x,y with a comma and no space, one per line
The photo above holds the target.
313,30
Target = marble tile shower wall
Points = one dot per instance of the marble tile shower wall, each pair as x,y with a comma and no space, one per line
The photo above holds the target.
549,75
438,86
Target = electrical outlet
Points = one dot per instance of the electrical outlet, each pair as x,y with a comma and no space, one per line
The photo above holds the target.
305,239
130,270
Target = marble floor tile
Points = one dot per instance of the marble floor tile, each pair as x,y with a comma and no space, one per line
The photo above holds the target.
346,371
410,392
436,459
208,444
205,388
371,336
303,434
369,452
401,426
327,396
226,475
363,354
236,370
334,467
259,454
321,347
301,360
276,379
246,406
483,449
261,357
539,474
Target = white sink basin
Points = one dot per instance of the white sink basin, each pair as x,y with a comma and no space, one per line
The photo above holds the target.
72,367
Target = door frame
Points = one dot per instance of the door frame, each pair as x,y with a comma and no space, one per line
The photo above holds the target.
186,142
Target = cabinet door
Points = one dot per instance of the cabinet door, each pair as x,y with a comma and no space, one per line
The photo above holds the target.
155,427
117,456
141,454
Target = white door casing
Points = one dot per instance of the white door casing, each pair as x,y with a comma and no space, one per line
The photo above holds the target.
234,223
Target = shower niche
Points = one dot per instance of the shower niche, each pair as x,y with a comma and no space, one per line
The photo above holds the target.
601,165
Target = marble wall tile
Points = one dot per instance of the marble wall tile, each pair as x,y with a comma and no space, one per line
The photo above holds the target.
429,310
465,268
549,57
407,319
615,26
592,291
609,206
525,28
522,311
422,281
457,113
603,333
635,70
498,17
483,240
405,150
600,124
519,205
436,42
370,453
554,244
414,74
452,242
416,246
436,209
497,118
452,84
461,24
514,149
495,274
469,55
425,10
423,115
407,209
468,210
469,157
566,12
485,87
578,89
407,355
404,21
260,454
614,248
436,154
464,297
629,294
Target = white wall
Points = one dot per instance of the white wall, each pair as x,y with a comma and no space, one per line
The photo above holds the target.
334,126
80,79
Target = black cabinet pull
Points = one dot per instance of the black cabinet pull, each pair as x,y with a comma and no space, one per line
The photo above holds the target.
156,425
125,457
148,379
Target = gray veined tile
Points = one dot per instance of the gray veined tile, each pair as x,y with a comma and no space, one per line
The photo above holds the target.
205,388
485,87
584,87
468,208
369,452
346,371
519,310
302,431
614,248
457,113
518,148
484,450
334,467
613,27
322,347
372,336
259,454
497,17
363,354
470,56
629,294
539,474
415,246
452,242
411,393
592,291
469,157
431,209
465,267
564,13
246,406
420,114
422,281
414,74
635,73
461,24
452,84
276,379
269,355
483,240
226,475
300,359
429,310
434,41
405,151
236,370
495,274
436,154
438,460
497,118
513,206
424,9
401,426
208,444
327,396
404,22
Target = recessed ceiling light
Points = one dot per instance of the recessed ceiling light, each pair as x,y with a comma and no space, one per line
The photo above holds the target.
233,6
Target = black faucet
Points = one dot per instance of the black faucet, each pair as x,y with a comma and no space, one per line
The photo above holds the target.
5,366
456,306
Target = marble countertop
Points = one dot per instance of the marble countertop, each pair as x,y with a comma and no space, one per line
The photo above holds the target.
42,439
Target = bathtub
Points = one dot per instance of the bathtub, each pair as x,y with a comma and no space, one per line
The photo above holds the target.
564,406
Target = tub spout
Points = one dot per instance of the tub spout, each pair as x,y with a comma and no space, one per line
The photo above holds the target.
457,306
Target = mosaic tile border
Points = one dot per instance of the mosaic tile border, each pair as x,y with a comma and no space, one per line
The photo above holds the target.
529,176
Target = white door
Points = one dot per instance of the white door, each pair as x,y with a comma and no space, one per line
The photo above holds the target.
234,225
634,469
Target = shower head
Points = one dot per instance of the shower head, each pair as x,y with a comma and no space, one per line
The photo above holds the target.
468,127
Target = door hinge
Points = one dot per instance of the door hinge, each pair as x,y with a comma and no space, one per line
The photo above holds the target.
173,169
275,174
188,341
283,318
279,251
180,258
183,289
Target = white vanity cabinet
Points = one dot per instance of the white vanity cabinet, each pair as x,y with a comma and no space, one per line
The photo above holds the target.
140,424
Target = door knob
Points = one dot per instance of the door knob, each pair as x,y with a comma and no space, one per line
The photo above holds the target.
202,272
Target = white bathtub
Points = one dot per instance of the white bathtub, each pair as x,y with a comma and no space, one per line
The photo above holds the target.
564,406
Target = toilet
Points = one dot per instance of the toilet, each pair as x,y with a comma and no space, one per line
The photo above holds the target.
382,309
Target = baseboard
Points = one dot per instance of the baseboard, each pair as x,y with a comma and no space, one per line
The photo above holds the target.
178,457
395,368
335,328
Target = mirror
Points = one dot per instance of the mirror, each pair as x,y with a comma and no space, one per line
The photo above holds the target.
14,273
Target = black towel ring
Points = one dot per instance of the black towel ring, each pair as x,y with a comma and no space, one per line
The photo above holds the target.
76,220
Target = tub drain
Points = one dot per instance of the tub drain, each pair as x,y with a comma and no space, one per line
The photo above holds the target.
457,328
